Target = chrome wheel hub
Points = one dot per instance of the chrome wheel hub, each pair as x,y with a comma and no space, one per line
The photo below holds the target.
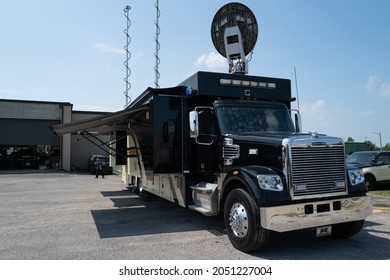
238,220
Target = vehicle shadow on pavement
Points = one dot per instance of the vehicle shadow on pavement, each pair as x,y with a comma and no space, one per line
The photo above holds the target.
133,215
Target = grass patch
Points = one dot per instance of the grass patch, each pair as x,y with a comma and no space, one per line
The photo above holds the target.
384,193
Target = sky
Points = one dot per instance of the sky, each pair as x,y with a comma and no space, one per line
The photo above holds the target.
73,51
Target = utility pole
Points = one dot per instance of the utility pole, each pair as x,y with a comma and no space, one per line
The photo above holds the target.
380,138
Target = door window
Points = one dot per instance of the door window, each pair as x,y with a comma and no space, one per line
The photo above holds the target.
383,159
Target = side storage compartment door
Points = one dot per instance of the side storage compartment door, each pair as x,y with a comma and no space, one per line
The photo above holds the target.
167,134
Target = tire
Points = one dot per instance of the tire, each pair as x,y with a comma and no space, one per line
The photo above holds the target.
138,188
242,222
370,182
345,230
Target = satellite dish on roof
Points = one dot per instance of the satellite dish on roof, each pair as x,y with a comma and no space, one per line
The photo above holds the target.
234,33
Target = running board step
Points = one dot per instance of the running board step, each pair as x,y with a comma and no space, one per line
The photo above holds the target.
204,188
204,197
204,211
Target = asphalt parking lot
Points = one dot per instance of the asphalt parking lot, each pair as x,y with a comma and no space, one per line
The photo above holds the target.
75,216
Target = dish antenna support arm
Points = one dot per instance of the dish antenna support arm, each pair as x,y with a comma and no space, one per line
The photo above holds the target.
234,49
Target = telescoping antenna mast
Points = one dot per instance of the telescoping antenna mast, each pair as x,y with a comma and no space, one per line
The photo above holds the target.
128,55
157,73
234,33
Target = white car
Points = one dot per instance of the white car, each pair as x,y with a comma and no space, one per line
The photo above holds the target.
375,166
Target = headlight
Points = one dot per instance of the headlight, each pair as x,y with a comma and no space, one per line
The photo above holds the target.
356,176
270,182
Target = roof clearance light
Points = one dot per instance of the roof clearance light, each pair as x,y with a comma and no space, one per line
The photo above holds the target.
246,83
236,82
225,82
262,85
272,85
254,84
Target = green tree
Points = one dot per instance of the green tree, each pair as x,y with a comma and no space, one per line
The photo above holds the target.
387,147
371,146
351,140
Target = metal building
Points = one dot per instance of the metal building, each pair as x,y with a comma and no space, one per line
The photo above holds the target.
27,125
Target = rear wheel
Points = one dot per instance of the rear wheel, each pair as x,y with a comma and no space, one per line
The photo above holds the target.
138,187
242,222
345,230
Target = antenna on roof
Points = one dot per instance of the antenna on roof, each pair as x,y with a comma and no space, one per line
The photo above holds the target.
128,55
234,33
157,73
296,86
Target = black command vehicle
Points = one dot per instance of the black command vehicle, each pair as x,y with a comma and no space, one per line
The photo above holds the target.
227,143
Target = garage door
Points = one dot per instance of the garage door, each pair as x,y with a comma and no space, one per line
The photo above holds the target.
27,132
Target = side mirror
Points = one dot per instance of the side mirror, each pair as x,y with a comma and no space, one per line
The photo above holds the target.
297,121
194,124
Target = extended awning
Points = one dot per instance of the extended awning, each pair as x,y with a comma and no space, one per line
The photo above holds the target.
107,123
115,121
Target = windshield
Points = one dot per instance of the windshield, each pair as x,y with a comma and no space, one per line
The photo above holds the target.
104,159
252,119
361,158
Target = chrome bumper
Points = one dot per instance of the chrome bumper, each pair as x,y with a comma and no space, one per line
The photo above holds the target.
314,214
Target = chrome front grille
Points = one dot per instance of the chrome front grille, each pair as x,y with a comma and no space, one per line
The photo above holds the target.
317,170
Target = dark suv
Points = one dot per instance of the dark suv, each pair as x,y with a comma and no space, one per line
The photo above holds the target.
25,158
375,165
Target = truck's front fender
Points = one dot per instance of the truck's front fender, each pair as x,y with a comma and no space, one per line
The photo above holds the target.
246,178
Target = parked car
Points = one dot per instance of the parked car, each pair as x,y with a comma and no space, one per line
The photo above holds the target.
24,159
375,166
107,169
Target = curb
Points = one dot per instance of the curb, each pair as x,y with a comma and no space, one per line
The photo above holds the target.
380,209
380,203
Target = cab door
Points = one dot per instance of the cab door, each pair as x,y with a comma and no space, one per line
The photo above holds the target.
204,131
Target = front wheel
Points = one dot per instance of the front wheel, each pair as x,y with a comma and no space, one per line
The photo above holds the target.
242,222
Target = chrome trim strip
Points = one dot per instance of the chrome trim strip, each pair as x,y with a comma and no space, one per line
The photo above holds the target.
293,217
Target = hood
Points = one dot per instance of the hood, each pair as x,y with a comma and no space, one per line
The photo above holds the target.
356,165
265,149
277,138
266,138
260,149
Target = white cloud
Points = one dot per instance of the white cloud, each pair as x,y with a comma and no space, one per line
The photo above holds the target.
211,61
314,116
375,86
107,48
315,108
385,90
